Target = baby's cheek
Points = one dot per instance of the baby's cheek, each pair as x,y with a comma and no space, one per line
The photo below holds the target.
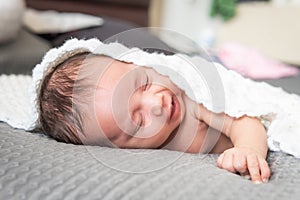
152,139
156,124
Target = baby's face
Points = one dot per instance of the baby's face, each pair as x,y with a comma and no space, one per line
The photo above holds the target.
136,107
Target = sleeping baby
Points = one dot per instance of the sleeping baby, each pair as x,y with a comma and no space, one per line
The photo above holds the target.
93,99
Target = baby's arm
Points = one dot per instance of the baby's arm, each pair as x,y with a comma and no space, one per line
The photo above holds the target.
248,156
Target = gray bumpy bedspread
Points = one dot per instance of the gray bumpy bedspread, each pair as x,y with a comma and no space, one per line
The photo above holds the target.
33,166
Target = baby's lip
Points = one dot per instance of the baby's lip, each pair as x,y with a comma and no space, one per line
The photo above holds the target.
173,107
170,108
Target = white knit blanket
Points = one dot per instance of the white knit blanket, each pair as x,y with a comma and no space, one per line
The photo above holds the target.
14,100
219,89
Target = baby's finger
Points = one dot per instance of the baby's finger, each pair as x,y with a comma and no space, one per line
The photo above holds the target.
220,160
246,175
264,170
253,168
239,163
227,162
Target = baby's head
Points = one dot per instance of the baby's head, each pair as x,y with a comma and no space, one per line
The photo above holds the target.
94,99
57,114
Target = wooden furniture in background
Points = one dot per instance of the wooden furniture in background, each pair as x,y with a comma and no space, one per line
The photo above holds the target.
135,11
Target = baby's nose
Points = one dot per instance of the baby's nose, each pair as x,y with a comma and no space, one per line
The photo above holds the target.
157,110
154,104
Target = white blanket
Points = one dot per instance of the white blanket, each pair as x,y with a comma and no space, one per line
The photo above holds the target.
219,89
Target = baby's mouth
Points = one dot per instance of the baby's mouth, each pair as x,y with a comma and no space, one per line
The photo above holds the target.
175,108
172,107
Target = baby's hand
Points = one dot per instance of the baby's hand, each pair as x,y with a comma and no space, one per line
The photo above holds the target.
245,161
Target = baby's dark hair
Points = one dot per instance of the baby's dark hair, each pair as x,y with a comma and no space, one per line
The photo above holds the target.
57,115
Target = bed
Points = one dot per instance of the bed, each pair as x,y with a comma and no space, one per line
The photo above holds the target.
33,166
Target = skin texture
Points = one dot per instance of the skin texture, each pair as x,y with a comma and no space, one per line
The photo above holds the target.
248,154
135,107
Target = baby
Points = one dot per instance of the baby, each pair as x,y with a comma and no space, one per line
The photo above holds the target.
97,100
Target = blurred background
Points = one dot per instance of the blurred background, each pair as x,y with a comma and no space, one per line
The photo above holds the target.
270,26
237,33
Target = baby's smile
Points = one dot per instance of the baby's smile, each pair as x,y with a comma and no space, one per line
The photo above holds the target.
135,106
175,108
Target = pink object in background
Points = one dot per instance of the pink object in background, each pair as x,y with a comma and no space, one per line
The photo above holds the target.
250,63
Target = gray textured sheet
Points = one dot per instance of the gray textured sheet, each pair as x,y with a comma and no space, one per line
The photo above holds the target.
33,166
289,84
